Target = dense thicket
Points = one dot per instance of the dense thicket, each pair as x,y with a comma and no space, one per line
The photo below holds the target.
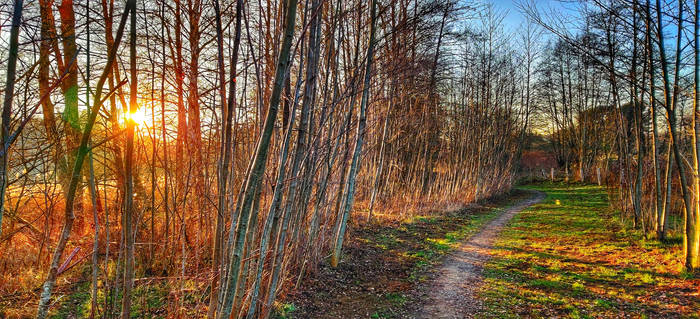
222,147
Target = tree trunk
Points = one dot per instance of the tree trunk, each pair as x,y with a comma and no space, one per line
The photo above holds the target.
354,167
48,285
693,222
658,191
228,110
128,167
254,178
7,101
93,193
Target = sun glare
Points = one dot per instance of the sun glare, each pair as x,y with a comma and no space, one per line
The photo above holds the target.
138,117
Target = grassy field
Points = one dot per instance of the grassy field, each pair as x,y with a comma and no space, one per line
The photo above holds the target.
570,256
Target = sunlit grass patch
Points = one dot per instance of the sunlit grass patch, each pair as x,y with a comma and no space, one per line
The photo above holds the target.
547,284
75,304
583,262
284,310
442,244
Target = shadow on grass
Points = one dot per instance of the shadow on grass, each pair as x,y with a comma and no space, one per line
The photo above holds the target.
568,257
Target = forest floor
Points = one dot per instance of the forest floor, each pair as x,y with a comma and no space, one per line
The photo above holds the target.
386,268
568,256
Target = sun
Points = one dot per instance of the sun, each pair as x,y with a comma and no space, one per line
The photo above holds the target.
138,117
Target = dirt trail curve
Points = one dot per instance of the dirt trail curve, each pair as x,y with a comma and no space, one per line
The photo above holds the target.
452,294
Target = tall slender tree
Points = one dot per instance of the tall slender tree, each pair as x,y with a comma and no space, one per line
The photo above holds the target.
354,167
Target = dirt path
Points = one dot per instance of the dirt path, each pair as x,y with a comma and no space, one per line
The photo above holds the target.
452,293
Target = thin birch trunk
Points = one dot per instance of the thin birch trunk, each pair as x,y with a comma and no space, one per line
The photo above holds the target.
380,166
693,222
254,179
354,167
229,109
658,191
93,191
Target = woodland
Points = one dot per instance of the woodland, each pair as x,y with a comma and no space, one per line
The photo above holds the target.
226,158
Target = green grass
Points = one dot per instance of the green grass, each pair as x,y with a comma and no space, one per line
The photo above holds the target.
285,310
150,300
569,256
430,251
76,304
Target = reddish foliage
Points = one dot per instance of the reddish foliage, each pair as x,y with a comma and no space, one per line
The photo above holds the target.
537,159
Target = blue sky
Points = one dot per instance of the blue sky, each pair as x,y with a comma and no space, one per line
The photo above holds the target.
514,19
